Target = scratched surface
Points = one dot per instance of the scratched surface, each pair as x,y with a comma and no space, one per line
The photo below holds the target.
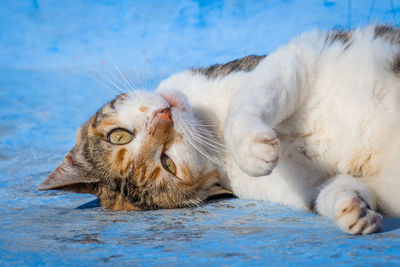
52,52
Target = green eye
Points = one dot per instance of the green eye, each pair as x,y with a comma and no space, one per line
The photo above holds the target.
168,164
120,137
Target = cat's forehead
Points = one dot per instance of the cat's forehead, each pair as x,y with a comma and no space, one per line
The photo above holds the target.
108,110
130,106
142,101
137,100
139,107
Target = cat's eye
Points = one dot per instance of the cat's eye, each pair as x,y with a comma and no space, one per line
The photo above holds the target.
168,164
120,137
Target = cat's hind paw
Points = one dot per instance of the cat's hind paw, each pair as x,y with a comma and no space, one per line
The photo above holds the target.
354,216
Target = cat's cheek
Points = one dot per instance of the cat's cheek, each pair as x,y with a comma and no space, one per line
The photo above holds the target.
123,161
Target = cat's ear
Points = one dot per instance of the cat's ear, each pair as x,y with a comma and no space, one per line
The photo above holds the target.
70,176
218,192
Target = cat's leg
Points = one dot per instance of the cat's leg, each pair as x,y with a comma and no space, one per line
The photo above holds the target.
290,184
386,185
270,94
350,204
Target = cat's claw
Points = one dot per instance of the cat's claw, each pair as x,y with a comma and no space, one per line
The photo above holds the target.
257,154
354,216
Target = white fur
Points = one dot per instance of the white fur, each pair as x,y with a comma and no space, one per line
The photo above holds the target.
330,107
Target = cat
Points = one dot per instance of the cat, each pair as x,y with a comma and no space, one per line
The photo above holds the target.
315,125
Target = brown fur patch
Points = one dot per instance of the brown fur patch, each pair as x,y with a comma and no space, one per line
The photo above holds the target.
360,165
141,174
121,155
114,200
121,203
352,207
99,128
348,209
161,129
270,142
306,135
154,175
120,158
177,139
143,109
106,123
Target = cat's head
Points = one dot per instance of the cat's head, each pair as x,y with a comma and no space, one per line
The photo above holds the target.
135,153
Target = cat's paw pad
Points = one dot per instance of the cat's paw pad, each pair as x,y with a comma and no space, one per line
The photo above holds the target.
258,154
354,216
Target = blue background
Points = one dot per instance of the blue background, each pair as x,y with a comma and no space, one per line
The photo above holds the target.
56,64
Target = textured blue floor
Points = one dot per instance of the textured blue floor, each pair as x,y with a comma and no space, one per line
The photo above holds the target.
49,50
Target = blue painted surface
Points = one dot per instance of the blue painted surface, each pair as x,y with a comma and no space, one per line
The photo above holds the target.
49,50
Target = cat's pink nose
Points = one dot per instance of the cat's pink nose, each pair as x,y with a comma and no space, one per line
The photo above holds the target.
165,114
175,100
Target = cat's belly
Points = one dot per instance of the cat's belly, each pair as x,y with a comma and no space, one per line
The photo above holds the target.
345,123
331,145
300,148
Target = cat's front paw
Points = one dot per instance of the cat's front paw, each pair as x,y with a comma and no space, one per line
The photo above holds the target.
354,216
257,154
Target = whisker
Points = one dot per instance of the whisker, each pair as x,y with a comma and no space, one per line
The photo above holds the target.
210,146
190,137
204,127
140,81
103,84
210,149
212,142
201,124
203,131
135,83
108,80
191,141
198,149
147,84
117,68
121,83
206,132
